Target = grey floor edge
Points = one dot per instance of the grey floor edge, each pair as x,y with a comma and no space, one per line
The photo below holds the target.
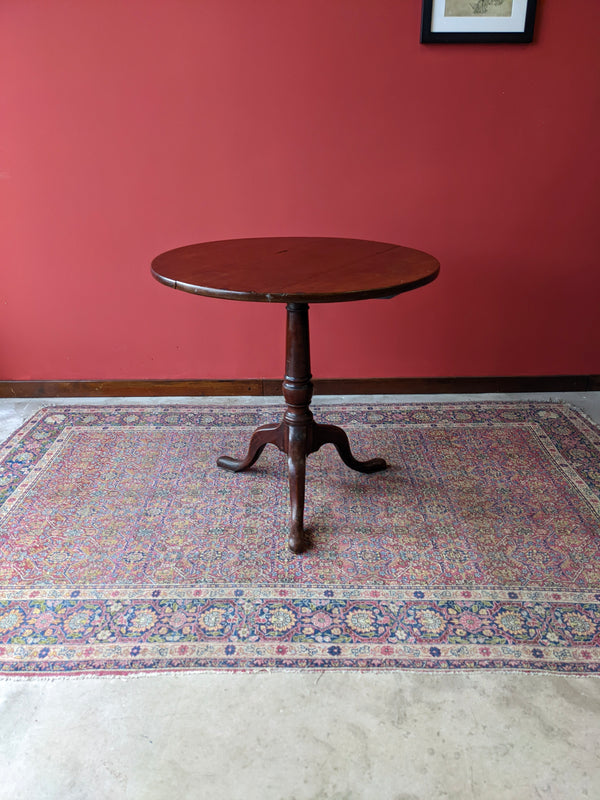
301,736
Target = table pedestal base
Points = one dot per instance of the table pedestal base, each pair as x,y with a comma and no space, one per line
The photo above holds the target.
298,435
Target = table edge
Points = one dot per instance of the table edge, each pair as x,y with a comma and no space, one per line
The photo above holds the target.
386,292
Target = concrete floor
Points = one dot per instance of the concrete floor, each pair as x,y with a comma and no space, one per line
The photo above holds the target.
295,736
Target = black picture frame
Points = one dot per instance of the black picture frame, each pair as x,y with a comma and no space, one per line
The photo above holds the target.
522,35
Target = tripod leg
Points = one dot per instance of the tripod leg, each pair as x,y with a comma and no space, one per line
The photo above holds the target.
297,476
331,434
266,434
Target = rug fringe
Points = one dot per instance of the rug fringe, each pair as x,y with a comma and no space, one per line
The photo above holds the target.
188,673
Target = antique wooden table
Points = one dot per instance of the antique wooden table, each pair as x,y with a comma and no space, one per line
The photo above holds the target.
296,271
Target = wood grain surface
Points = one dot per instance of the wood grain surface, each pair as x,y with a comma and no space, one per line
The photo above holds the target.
295,270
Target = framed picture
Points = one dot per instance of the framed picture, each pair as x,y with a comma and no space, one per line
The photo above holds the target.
487,21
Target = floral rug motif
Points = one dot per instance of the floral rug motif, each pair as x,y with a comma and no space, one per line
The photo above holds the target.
123,548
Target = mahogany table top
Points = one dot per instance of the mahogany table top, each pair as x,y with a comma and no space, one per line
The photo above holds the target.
295,270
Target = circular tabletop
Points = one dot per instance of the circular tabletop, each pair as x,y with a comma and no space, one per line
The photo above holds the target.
295,270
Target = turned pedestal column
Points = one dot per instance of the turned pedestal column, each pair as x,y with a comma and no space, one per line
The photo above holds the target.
298,435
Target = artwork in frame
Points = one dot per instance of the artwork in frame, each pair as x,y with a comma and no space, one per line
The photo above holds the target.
447,21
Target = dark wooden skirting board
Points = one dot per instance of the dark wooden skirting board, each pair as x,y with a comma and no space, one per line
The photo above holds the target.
269,387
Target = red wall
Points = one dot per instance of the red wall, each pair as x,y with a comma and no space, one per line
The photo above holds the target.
128,128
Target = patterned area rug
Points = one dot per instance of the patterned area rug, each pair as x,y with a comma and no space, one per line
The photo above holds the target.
123,548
